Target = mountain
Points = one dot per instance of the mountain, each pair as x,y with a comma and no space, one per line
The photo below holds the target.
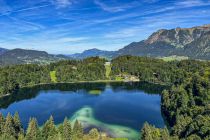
189,42
92,53
193,43
2,50
21,56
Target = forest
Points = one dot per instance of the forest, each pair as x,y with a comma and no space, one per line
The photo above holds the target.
185,105
15,77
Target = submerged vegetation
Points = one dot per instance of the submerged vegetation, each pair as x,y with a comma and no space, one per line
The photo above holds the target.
185,105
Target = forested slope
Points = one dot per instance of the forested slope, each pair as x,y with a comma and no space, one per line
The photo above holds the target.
15,77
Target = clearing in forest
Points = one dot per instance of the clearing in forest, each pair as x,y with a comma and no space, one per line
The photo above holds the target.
53,76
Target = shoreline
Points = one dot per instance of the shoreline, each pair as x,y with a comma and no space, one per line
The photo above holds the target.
40,84
75,82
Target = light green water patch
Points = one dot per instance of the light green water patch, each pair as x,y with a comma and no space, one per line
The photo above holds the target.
86,117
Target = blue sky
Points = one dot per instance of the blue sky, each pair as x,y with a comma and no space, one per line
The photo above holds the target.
70,26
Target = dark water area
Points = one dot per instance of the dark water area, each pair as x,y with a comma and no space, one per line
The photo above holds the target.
123,104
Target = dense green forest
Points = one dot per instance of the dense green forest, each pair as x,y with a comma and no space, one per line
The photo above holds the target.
157,70
185,105
186,108
15,77
89,69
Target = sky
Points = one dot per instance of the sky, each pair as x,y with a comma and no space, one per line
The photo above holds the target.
71,26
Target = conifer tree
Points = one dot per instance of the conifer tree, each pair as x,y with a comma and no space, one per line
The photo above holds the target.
67,130
49,130
77,130
60,129
9,126
17,124
2,121
146,132
165,134
21,136
33,132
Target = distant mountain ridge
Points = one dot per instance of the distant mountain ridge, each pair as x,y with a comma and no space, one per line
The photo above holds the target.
22,56
92,53
2,50
190,42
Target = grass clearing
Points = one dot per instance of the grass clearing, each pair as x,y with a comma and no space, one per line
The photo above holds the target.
53,76
119,78
108,70
174,57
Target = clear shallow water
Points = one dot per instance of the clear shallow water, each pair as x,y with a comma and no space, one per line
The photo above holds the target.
110,107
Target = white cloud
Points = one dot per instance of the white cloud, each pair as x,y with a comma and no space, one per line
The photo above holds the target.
192,3
8,12
116,8
62,3
72,39
124,33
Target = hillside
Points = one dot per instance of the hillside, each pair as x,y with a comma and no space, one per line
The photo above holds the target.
92,53
21,56
189,42
2,50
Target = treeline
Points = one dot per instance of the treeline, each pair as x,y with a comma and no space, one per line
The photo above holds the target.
11,129
89,69
149,132
15,77
157,70
186,108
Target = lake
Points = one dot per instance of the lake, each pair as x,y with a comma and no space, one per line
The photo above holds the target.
119,109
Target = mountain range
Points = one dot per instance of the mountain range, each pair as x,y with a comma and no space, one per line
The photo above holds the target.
21,56
193,43
92,53
2,50
189,42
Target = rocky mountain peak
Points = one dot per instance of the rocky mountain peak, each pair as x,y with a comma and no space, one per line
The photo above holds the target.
190,42
178,37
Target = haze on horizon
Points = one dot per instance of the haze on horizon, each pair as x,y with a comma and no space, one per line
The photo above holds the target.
70,26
